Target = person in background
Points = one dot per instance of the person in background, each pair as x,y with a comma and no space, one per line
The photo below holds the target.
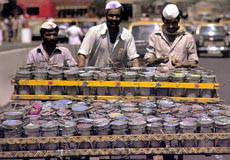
109,44
20,22
74,33
62,35
48,53
171,46
2,30
9,26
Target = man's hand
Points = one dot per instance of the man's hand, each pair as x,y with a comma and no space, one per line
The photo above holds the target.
81,60
155,61
185,65
163,59
178,65
175,62
150,60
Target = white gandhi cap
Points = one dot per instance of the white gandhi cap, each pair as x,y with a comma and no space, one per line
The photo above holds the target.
113,5
48,25
170,11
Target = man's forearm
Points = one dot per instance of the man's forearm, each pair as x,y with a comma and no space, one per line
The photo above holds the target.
81,60
190,64
193,64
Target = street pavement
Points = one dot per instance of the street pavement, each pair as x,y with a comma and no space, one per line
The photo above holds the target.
220,67
6,46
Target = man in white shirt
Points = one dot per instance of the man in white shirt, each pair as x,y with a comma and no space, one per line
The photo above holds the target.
109,44
48,53
74,33
172,46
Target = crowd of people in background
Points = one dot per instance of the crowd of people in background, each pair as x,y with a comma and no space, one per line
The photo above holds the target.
10,28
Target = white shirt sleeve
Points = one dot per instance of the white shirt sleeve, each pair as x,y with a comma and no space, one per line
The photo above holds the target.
88,43
151,50
80,31
131,49
30,59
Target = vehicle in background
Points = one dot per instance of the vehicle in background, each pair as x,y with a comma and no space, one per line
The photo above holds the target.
56,8
141,31
36,12
188,26
212,38
40,9
226,22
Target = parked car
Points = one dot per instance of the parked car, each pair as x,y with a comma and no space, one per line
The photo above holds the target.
141,31
212,38
188,26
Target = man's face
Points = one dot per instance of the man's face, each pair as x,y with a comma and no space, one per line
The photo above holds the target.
171,25
113,17
50,37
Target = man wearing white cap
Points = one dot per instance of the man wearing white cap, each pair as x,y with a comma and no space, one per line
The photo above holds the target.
48,53
108,44
171,46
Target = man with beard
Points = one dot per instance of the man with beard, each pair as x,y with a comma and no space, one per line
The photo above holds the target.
48,53
171,46
109,44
